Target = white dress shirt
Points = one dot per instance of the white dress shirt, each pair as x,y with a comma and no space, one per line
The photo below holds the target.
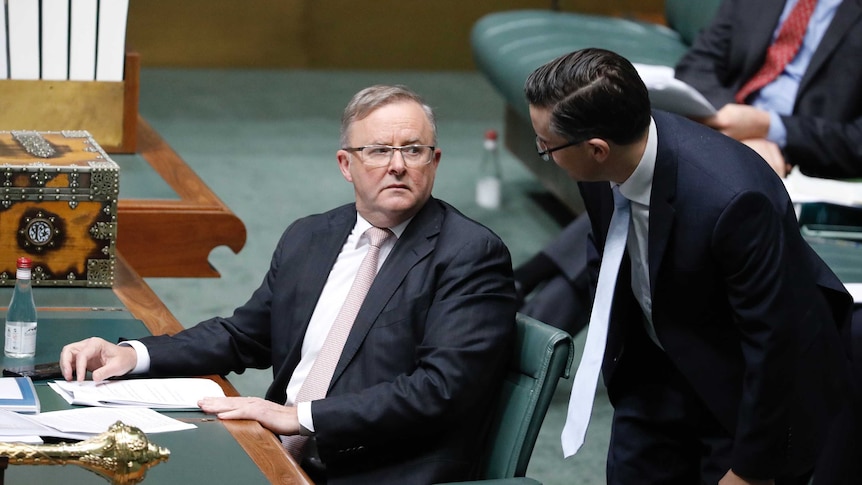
328,305
637,189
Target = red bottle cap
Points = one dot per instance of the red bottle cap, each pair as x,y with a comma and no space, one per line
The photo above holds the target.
25,262
491,135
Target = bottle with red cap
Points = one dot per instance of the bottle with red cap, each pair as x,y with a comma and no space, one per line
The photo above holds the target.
488,187
21,315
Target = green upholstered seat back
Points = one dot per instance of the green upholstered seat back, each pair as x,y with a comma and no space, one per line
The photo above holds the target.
542,354
689,17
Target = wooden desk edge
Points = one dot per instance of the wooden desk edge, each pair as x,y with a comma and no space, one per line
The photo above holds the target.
260,444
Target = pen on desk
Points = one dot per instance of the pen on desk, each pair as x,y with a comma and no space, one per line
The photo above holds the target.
196,420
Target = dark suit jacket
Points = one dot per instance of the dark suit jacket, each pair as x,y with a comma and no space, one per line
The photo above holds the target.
824,133
743,307
424,359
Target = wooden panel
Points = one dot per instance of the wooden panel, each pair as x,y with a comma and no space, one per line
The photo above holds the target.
174,237
336,34
108,110
219,33
64,105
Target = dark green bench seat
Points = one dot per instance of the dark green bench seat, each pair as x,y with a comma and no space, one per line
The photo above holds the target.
508,46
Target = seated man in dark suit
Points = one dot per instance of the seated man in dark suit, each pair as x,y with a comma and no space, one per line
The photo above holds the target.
404,396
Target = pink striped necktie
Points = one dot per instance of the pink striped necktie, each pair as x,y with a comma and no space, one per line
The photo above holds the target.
317,381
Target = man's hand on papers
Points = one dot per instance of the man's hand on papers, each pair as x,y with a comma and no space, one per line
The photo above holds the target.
771,153
739,121
98,355
277,418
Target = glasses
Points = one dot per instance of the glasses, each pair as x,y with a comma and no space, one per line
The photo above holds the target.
381,155
546,152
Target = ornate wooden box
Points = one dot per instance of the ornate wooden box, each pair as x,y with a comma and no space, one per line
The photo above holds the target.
58,205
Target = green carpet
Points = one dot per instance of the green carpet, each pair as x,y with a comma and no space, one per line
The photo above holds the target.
265,142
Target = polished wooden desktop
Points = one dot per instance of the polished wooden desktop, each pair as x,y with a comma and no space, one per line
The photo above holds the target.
135,300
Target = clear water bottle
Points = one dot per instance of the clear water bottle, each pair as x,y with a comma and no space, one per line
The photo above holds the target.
489,185
21,316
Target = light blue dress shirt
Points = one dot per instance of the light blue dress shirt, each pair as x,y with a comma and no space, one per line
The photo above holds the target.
779,96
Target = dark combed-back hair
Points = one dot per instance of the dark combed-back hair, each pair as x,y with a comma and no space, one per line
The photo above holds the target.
591,93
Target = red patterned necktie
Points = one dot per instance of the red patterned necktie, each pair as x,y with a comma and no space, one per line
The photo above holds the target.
320,375
782,50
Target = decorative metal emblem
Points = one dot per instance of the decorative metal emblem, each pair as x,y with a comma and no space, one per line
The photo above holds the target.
40,230
121,455
34,143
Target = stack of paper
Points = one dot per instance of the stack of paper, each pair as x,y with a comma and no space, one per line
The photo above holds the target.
174,393
82,423
803,188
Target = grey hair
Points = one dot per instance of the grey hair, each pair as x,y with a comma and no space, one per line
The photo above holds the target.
373,97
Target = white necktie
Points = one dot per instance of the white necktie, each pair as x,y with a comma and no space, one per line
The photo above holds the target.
320,375
587,375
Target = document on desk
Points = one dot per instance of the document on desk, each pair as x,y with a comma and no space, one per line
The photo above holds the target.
98,420
167,393
803,188
82,423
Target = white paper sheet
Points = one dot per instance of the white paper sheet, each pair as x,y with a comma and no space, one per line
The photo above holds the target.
670,94
803,188
9,389
169,393
98,420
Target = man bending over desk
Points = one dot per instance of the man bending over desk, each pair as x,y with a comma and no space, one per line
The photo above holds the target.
402,395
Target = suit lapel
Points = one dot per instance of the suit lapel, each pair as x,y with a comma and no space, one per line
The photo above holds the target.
759,37
417,241
661,218
847,14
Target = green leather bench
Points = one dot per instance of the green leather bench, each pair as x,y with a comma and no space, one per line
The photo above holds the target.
508,46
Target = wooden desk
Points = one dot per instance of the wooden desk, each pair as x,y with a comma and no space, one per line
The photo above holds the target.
174,237
141,302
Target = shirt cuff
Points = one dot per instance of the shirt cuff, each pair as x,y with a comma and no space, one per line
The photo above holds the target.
303,413
143,364
777,132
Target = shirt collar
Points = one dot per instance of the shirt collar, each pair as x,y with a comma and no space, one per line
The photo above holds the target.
638,187
363,225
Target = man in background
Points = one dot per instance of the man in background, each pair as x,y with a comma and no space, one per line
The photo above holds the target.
805,113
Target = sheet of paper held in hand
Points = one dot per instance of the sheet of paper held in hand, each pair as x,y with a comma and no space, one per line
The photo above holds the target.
168,393
81,423
670,94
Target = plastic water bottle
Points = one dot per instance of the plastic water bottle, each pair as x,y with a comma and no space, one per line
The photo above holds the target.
488,187
21,315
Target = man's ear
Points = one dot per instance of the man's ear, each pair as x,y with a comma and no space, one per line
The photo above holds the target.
598,149
343,158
